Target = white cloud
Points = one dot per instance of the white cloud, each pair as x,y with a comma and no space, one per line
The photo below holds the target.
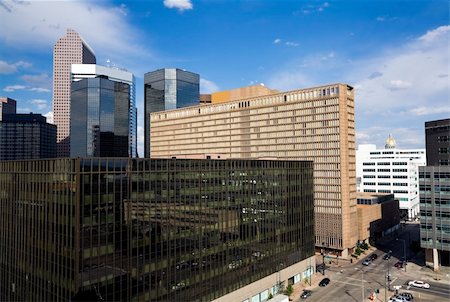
399,84
105,27
435,34
13,88
39,89
276,41
40,104
6,68
419,111
207,86
293,44
181,5
49,116
42,80
381,19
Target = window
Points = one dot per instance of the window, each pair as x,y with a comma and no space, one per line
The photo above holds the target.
384,164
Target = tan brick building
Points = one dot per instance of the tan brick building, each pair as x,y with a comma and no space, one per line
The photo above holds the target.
309,124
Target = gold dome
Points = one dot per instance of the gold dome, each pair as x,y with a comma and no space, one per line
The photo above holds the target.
390,142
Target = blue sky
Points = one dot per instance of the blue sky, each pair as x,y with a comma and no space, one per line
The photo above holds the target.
395,53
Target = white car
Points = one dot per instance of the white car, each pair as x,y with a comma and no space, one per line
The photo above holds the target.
417,283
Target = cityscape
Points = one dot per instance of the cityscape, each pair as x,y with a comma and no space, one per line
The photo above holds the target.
248,151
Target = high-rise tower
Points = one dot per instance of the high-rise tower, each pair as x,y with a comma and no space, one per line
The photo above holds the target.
165,89
68,50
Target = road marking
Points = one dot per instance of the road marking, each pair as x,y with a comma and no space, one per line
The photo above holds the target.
358,285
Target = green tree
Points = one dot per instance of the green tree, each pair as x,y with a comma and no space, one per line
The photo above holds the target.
289,290
270,296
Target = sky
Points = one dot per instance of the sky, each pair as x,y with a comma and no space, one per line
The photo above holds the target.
395,53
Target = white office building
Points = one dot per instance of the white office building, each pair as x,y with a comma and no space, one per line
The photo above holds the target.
391,170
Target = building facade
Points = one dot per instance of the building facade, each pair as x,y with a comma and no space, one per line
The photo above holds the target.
99,121
314,124
26,136
154,230
435,195
378,215
166,89
241,93
86,71
391,170
70,49
7,106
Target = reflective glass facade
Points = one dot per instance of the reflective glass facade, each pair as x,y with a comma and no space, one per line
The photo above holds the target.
26,136
100,118
167,89
149,230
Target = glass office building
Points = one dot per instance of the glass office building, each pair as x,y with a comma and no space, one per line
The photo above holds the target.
434,184
99,121
26,136
153,230
166,89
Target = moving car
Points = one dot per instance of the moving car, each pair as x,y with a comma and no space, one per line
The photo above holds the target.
306,293
324,282
366,261
418,283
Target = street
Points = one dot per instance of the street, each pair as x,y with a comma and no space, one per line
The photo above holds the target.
353,281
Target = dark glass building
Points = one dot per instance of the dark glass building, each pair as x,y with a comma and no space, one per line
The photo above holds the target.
166,89
26,136
434,185
99,118
7,106
153,230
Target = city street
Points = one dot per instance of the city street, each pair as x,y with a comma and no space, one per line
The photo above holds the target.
349,282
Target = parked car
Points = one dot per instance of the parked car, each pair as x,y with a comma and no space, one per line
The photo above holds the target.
373,256
418,283
324,282
408,296
366,261
399,264
306,293
387,256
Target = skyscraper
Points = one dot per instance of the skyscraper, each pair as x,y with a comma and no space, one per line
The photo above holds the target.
434,181
7,106
86,71
99,121
70,49
315,124
165,89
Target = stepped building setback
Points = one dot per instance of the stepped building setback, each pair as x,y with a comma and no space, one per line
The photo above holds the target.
126,229
68,50
316,124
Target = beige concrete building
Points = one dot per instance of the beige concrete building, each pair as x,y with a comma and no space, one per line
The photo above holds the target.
68,50
378,215
309,124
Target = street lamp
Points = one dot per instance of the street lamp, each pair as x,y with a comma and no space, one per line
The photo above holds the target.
404,251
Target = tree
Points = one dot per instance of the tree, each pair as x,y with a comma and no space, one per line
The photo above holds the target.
289,290
270,296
